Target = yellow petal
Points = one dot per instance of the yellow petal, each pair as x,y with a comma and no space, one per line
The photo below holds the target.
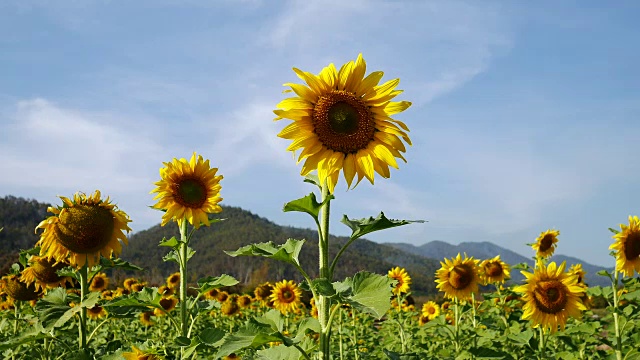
349,168
304,92
369,82
344,74
359,69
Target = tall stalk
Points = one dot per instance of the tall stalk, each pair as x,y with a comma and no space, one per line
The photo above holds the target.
82,329
616,323
324,304
183,253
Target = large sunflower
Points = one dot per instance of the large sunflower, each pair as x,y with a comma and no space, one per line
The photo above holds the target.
627,247
545,244
403,280
458,277
494,271
342,121
83,229
188,189
551,296
286,296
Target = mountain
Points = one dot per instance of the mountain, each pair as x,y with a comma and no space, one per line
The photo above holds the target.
19,217
439,250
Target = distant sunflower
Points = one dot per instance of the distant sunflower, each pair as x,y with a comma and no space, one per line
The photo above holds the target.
188,190
342,122
82,230
168,303
551,296
627,247
128,282
173,281
576,269
403,280
99,282
165,290
137,287
96,312
212,294
145,318
431,310
263,292
222,296
494,271
42,272
545,244
458,277
286,296
138,354
17,289
244,301
230,308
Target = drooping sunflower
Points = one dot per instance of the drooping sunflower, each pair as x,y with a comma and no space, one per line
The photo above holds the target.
165,290
493,271
627,247
222,296
403,280
138,354
576,269
551,296
431,310
42,272
173,281
128,282
286,296
263,292
145,318
82,230
99,282
188,190
546,243
96,312
230,308
342,122
244,301
168,303
212,294
19,290
458,278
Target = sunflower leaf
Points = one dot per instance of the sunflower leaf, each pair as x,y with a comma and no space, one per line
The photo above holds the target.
366,292
117,263
313,179
323,286
287,252
210,282
614,231
172,243
252,334
361,227
308,204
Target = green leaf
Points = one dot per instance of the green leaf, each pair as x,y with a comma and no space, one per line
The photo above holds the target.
172,243
252,334
313,179
323,286
487,353
211,336
25,338
287,252
392,355
182,341
305,324
280,352
172,256
605,273
366,292
210,282
614,231
521,339
361,227
307,204
118,264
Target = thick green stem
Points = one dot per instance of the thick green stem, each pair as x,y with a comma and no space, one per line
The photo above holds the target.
184,245
456,326
324,304
82,329
616,322
542,344
403,340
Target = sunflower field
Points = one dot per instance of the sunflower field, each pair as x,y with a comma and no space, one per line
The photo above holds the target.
58,301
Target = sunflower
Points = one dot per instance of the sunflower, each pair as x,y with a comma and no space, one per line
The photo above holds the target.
83,229
222,296
458,277
576,269
545,244
145,318
231,356
551,296
42,273
137,287
263,292
342,121
165,290
168,303
431,310
230,308
18,290
173,281
286,296
129,282
188,190
138,354
403,280
99,282
244,301
627,247
96,312
493,271
212,294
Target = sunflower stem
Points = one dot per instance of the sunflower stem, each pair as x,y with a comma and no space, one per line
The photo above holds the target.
616,323
323,249
542,344
456,325
403,340
82,329
473,320
183,277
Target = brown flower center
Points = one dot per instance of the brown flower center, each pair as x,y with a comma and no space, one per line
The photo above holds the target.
460,277
19,290
190,192
229,308
550,296
96,310
167,303
45,270
431,310
343,122
546,242
493,269
632,245
98,282
85,229
287,296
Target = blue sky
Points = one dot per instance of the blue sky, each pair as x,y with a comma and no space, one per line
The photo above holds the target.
524,117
